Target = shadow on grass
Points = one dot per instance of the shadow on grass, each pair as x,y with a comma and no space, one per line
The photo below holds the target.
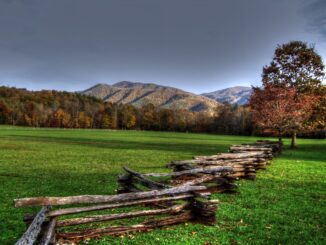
306,152
184,146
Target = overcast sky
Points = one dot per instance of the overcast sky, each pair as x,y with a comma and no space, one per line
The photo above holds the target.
196,45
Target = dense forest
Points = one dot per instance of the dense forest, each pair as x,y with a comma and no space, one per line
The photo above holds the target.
50,108
73,110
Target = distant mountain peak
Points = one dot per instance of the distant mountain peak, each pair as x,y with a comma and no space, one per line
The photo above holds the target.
233,95
126,84
139,94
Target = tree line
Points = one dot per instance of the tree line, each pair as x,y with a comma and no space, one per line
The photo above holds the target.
73,110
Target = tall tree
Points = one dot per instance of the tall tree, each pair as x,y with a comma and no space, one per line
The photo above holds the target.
127,116
148,116
295,65
106,121
60,119
4,112
280,109
166,120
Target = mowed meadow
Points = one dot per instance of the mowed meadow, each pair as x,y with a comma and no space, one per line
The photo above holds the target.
286,204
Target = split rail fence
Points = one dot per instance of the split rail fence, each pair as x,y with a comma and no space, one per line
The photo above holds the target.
179,196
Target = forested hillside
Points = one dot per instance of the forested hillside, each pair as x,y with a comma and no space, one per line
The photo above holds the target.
74,110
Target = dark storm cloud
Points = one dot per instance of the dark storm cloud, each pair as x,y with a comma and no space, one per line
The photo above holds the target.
316,13
195,45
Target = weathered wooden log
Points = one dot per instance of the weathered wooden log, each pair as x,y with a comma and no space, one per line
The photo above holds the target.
235,168
275,144
257,147
49,235
99,218
241,169
215,162
215,183
248,149
232,156
225,164
210,170
196,181
42,201
255,144
76,210
131,187
147,182
268,155
184,162
114,230
236,164
31,234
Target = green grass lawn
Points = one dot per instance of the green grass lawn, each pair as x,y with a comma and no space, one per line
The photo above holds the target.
286,204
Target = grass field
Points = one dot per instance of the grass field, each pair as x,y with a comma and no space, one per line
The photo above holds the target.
286,204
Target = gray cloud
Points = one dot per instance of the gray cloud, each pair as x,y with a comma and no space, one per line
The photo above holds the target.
195,45
316,13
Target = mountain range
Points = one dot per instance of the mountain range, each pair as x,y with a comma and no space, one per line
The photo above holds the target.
139,94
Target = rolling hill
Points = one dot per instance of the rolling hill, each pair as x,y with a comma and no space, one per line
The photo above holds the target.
139,94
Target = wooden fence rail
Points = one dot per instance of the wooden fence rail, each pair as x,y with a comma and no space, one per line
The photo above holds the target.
191,207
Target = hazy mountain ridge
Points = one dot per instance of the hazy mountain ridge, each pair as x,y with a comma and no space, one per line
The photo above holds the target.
139,94
234,95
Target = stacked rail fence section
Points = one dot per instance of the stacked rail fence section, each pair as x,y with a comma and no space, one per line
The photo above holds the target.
147,201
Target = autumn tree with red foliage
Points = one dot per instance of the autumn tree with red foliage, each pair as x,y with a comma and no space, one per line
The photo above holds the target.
281,109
